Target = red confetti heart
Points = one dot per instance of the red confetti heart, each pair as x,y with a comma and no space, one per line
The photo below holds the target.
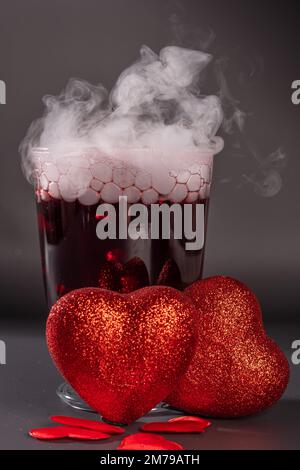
177,426
86,434
203,421
87,424
60,432
140,441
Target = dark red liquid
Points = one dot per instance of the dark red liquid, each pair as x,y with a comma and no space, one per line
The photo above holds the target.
73,256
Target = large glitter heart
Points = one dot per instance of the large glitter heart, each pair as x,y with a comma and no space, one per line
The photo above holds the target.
122,353
237,369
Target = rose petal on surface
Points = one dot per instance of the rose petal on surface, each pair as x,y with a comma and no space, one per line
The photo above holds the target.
87,424
177,426
140,441
58,432
196,419
86,434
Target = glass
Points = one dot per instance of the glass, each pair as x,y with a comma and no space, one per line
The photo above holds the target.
72,254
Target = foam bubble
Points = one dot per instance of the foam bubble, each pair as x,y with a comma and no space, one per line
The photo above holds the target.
179,193
133,194
89,197
111,193
194,183
150,196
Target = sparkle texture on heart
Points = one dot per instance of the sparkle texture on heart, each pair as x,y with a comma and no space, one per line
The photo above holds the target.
122,353
237,369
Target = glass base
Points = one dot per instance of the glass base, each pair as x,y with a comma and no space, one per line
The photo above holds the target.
68,395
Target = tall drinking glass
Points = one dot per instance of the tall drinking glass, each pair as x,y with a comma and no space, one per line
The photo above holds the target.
83,245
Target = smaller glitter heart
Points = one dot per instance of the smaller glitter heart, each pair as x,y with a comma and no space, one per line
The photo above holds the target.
237,370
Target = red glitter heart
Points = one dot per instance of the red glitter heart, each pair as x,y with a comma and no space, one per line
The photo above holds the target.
122,353
140,441
236,369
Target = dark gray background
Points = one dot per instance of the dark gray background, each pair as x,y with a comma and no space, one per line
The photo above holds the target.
44,43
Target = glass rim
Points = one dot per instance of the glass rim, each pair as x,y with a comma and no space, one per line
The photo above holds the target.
213,147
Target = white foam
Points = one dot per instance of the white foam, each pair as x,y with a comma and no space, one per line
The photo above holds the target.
67,189
183,176
96,184
162,182
150,196
44,182
205,173
133,194
51,171
102,172
110,193
54,190
80,161
194,183
62,166
191,197
204,191
80,178
89,197
143,180
44,195
79,183
156,121
195,169
123,177
179,193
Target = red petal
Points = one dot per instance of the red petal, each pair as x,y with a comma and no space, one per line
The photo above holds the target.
140,441
196,419
59,432
86,434
87,424
178,426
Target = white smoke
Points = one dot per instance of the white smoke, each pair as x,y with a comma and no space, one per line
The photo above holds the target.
155,104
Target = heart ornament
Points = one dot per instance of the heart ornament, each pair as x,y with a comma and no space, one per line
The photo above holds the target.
122,353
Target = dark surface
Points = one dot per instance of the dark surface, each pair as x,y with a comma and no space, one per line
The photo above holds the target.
27,398
43,44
